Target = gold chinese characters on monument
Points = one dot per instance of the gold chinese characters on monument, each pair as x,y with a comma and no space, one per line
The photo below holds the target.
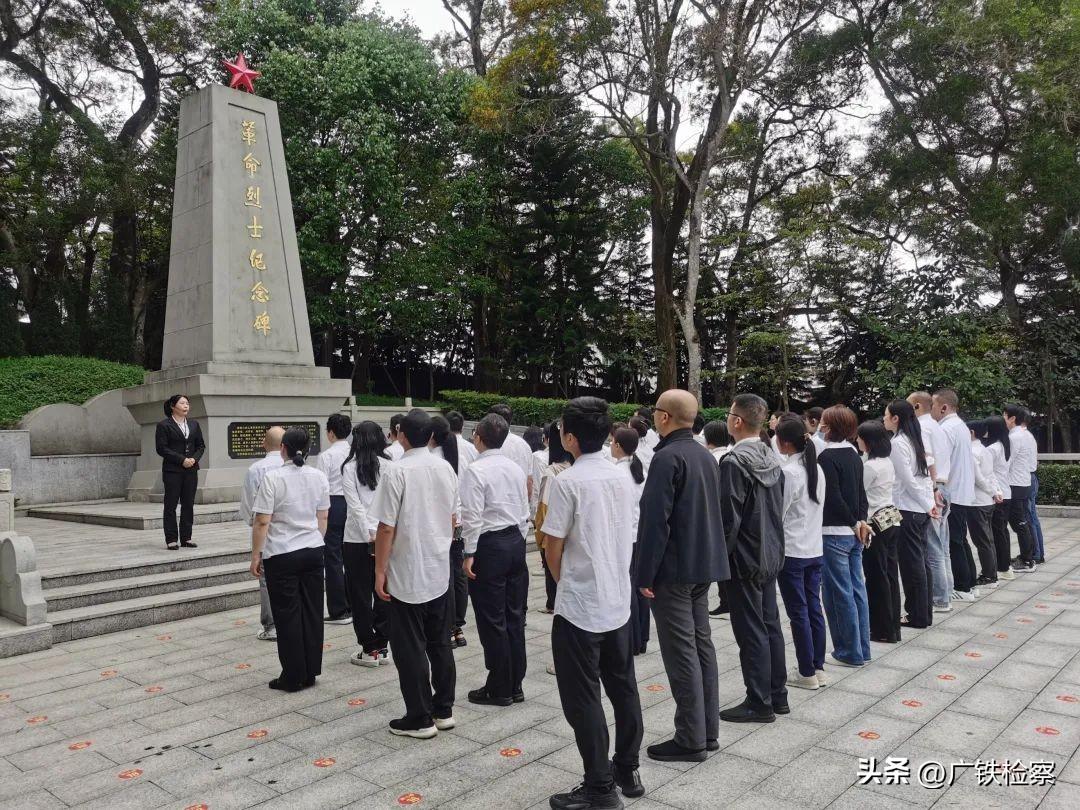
260,293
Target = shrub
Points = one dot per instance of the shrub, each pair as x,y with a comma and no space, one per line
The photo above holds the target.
1059,484
30,382
537,411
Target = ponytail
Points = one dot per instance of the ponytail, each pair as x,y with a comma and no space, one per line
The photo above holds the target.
296,441
637,469
791,430
446,440
627,439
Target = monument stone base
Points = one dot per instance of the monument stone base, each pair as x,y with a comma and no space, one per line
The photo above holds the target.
223,404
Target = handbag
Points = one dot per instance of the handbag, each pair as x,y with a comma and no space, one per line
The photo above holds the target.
884,519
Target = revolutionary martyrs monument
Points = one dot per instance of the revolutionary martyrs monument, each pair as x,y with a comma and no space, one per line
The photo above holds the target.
236,327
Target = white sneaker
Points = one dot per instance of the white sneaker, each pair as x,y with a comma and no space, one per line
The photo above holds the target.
962,596
821,679
364,659
267,635
802,681
415,733
444,723
976,593
942,608
1007,574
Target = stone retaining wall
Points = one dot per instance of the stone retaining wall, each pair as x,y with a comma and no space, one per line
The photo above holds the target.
66,478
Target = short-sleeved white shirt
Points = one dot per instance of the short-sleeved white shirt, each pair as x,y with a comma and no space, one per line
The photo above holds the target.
253,480
330,461
518,451
934,446
417,496
292,496
591,506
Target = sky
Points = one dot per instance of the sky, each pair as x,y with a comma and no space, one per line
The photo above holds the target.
428,15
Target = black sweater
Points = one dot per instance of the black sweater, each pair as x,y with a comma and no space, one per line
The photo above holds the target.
681,528
845,496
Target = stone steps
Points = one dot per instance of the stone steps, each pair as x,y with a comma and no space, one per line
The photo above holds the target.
130,515
125,614
153,584
183,560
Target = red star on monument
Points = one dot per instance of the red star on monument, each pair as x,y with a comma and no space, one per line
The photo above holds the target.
241,76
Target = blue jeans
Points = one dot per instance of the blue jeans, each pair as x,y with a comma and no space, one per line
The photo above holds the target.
938,556
844,594
800,584
1033,519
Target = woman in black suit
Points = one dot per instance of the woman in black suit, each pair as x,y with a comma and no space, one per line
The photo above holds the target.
180,444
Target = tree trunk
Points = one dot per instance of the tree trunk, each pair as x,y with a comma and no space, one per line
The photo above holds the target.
664,307
689,298
82,314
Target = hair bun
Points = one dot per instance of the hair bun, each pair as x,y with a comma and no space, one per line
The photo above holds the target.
298,459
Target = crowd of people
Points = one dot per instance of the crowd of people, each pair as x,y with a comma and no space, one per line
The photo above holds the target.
863,528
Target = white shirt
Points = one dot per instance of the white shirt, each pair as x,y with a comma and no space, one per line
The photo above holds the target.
985,483
961,486
183,425
395,451
802,517
466,450
330,461
518,451
1023,456
493,497
416,496
253,480
719,452
912,492
652,438
937,455
591,506
539,464
645,455
292,496
819,442
1001,467
623,466
878,481
700,438
360,526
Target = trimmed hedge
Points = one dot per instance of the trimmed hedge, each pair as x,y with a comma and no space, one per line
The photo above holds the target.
1059,484
30,382
537,411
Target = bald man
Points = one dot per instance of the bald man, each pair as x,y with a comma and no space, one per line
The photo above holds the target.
682,552
252,481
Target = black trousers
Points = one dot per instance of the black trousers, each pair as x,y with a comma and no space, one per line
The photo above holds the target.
459,584
420,641
369,613
1018,519
963,563
498,599
337,601
979,518
179,489
550,584
295,583
915,568
755,620
686,646
999,524
881,566
639,611
583,661
721,592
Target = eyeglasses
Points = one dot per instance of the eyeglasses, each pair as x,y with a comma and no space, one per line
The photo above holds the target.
736,415
661,410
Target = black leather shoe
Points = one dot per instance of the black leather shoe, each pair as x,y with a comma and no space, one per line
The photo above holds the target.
712,745
747,714
781,708
188,544
283,686
671,751
721,610
483,698
629,781
518,696
581,799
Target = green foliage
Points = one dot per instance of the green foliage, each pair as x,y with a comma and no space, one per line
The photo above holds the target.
381,401
1059,484
30,382
537,411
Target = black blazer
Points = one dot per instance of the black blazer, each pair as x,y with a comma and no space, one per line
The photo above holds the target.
681,529
174,448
